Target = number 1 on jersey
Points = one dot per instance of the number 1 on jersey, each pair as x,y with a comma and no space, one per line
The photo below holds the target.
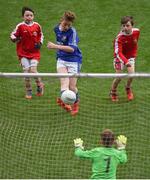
107,164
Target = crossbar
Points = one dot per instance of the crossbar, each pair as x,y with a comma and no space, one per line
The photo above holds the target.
84,75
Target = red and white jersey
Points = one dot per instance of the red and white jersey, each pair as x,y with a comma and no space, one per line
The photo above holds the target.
125,46
28,35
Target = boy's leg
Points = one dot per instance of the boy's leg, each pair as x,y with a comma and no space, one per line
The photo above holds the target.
64,82
131,69
26,69
28,88
40,85
74,67
73,87
113,92
64,85
118,66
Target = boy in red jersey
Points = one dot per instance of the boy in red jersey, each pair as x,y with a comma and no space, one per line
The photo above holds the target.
125,52
29,38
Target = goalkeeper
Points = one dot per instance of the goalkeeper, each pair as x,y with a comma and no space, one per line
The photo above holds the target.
104,159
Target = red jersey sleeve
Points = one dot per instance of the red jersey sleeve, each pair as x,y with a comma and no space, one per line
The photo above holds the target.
16,31
138,34
118,49
40,35
15,34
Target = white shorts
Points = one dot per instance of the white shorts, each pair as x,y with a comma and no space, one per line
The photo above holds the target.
119,65
72,67
27,63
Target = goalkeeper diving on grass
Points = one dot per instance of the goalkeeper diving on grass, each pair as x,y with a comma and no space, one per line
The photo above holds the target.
105,159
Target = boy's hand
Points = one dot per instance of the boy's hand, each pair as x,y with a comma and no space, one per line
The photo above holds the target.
121,142
14,38
128,64
78,143
51,45
38,45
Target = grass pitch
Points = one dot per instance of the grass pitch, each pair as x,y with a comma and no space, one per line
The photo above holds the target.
36,137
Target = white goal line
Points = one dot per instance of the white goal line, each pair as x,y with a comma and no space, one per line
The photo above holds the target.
84,75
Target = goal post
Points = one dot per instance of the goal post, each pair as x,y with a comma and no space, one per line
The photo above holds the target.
36,136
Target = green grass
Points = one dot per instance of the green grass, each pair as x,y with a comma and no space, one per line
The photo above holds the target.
36,137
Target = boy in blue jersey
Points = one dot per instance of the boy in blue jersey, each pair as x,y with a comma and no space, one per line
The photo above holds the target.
69,57
104,159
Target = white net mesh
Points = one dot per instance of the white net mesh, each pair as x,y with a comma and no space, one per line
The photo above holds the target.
36,136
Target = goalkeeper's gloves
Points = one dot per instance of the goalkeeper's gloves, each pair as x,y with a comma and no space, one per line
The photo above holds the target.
121,142
38,45
78,143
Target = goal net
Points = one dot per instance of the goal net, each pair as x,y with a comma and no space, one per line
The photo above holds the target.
36,136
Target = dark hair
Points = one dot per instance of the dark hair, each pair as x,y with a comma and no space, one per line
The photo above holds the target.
125,19
26,9
68,16
107,138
